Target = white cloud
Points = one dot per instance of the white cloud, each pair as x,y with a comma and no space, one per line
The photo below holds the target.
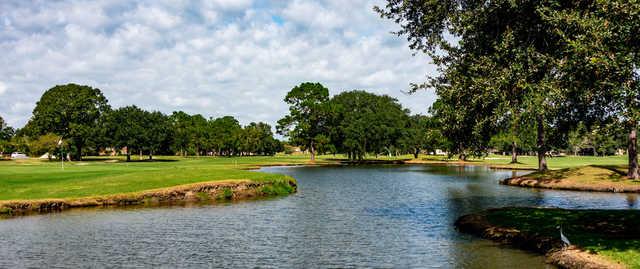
213,58
3,88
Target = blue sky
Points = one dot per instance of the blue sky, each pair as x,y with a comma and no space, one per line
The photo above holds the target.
215,58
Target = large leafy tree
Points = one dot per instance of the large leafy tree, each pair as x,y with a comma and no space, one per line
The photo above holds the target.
225,134
158,132
600,63
179,123
368,123
257,138
507,53
71,111
306,123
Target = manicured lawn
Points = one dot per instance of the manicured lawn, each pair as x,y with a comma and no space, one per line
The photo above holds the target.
611,233
36,179
532,161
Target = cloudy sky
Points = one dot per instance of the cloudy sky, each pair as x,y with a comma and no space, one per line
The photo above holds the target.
214,57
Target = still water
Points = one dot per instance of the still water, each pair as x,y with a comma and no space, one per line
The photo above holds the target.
364,216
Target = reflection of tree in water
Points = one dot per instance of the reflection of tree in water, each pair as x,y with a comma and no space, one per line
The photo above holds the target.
632,200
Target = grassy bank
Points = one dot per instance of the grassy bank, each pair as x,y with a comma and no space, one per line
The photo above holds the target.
613,235
36,179
531,162
606,178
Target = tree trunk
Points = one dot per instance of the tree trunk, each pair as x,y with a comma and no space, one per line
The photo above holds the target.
312,150
415,153
79,149
514,152
542,151
632,151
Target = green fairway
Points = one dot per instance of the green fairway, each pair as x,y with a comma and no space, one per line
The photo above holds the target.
36,179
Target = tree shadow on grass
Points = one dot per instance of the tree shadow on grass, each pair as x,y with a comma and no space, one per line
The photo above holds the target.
596,230
122,160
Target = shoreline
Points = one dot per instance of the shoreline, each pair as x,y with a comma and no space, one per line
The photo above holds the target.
590,178
242,189
213,191
527,182
565,257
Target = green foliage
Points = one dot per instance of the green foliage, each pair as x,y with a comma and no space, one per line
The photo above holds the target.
366,122
226,135
203,196
306,122
71,111
124,127
6,133
44,144
226,194
280,187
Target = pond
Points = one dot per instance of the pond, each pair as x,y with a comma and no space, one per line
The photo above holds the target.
354,216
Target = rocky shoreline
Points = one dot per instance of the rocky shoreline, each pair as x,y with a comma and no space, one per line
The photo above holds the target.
198,192
552,248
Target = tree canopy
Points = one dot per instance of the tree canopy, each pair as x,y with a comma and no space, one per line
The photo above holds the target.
71,111
306,123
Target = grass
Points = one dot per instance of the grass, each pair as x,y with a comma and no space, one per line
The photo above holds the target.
36,179
558,162
612,233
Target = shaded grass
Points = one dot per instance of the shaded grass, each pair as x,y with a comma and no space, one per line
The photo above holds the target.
558,162
612,233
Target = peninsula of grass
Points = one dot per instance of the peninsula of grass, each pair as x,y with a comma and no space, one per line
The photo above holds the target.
602,178
599,238
578,173
36,184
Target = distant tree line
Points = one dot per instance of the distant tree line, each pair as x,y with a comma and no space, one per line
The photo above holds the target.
355,123
79,120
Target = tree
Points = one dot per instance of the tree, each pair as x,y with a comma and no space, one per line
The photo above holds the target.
257,138
45,144
225,135
157,132
71,111
180,122
199,132
600,63
306,123
421,133
125,128
6,133
507,52
367,122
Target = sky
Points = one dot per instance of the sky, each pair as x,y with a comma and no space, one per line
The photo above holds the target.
215,57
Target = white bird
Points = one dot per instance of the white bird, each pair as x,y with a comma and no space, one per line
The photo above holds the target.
563,238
